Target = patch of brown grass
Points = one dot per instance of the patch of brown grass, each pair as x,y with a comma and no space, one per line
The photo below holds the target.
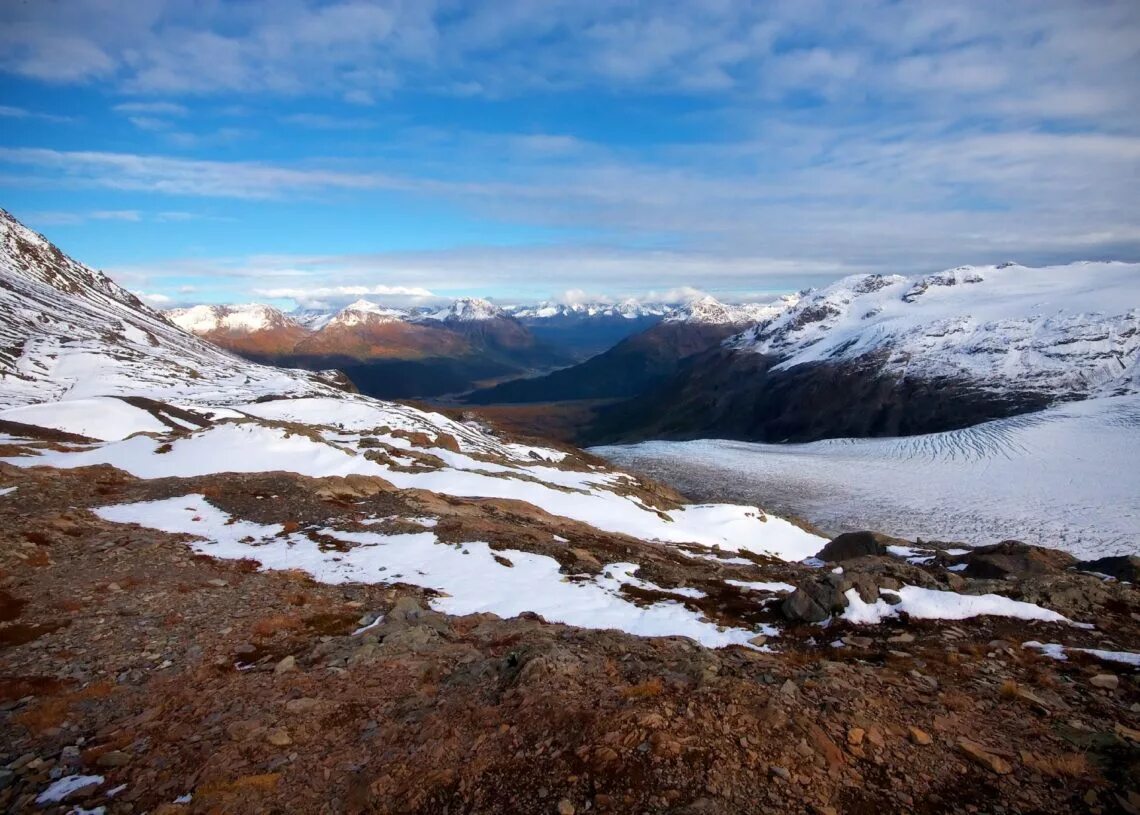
268,626
1008,689
1065,765
648,689
54,711
44,716
17,687
38,558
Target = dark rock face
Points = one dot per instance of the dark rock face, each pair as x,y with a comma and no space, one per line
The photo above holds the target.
735,395
1015,559
851,545
817,599
1125,568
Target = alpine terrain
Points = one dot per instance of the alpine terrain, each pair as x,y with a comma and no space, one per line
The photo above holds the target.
231,587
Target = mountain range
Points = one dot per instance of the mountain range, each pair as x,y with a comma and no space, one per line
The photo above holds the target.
239,588
889,355
429,351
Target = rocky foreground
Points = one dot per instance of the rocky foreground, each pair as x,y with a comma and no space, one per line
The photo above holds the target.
137,675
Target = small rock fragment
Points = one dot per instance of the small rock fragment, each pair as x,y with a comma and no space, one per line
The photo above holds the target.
278,737
981,756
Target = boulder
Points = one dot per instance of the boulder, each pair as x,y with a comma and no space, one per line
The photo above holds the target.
1014,559
1125,568
890,572
851,545
817,599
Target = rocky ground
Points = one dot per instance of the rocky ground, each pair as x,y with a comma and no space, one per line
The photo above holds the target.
173,682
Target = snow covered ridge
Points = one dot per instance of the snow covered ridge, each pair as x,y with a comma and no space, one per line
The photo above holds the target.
629,309
248,318
69,332
365,311
1072,331
709,310
467,310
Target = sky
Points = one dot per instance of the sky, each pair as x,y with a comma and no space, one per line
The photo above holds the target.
307,153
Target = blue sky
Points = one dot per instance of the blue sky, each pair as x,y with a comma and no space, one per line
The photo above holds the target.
303,152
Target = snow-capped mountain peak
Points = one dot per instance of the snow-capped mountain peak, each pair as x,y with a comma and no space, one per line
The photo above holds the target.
468,309
366,311
630,309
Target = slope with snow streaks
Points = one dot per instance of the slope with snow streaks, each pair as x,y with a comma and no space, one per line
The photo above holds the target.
69,332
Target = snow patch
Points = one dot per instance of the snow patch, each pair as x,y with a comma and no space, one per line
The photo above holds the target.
471,577
929,604
63,787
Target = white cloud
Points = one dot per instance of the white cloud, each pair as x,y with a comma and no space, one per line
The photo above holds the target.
10,112
152,108
153,298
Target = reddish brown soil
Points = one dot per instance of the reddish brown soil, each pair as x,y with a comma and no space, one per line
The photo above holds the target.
155,668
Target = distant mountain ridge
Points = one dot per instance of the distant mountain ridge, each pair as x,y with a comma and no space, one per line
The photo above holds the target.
426,351
388,352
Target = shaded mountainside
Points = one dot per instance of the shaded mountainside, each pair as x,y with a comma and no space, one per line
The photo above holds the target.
584,336
878,355
631,367
747,397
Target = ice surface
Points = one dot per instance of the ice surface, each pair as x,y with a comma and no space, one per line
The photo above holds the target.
1065,477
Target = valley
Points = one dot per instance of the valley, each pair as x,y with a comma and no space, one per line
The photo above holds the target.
1061,477
218,575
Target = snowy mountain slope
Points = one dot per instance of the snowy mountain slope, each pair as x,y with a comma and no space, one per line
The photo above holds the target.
69,332
246,318
1071,331
1065,477
253,329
